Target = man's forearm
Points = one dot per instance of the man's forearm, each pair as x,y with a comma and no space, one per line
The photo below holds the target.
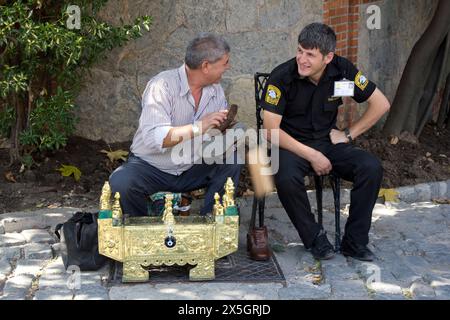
378,105
177,135
285,141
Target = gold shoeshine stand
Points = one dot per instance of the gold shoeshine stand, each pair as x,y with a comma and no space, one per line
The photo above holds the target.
141,242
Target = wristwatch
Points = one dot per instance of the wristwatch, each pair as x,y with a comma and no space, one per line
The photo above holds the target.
196,129
348,135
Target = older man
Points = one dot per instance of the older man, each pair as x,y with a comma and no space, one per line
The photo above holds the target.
179,106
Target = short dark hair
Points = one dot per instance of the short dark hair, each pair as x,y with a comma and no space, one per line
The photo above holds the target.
205,47
318,36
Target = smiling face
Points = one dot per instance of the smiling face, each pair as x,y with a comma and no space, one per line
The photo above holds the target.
214,70
311,62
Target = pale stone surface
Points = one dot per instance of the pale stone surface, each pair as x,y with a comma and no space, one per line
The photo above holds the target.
11,239
37,236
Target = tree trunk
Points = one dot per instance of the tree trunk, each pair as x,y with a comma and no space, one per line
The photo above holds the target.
405,106
445,105
425,110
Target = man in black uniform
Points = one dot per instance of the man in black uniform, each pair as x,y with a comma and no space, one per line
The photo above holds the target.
301,100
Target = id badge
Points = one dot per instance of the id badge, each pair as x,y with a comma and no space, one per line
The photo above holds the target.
344,88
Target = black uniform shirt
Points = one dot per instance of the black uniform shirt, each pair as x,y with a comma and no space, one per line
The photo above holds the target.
309,111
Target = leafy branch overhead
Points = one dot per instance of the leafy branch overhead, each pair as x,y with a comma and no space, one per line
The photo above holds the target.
43,64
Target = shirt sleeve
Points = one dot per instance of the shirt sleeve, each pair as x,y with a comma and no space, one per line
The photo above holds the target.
155,120
363,86
273,97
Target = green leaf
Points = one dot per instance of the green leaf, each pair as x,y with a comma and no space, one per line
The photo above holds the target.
67,171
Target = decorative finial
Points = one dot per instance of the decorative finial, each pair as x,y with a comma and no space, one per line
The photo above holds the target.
229,191
168,217
105,203
116,211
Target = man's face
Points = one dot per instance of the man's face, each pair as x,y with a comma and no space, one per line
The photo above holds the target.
215,70
311,62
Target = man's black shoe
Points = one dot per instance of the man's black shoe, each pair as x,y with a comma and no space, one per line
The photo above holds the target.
359,252
322,248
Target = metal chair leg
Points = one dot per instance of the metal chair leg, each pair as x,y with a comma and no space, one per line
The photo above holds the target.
335,183
318,182
262,204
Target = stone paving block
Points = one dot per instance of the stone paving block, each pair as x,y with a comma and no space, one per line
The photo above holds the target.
306,291
10,253
448,189
5,266
11,239
39,219
406,194
434,190
19,224
385,288
37,236
38,251
29,266
349,289
55,267
147,291
229,291
422,291
17,287
385,296
92,293
423,192
54,281
2,229
442,292
53,294
442,193
339,273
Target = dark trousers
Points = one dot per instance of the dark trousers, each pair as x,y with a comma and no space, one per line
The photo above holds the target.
350,163
136,180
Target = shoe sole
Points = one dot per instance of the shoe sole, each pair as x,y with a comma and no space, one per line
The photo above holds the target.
357,258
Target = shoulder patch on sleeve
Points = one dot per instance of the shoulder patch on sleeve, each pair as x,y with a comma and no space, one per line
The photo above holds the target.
273,95
361,81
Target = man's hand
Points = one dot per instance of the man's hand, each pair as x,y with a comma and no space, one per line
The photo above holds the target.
337,136
321,164
214,119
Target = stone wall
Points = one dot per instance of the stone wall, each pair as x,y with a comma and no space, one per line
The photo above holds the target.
262,34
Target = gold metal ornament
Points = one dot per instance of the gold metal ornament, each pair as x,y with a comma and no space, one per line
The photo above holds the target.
141,242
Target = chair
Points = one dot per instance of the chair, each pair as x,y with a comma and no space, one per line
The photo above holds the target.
259,203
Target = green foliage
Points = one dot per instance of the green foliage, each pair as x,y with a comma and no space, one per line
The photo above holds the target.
42,64
7,117
51,122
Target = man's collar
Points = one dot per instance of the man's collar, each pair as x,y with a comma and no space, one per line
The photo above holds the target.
183,80
184,89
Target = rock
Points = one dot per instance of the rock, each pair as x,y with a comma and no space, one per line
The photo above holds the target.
37,236
11,239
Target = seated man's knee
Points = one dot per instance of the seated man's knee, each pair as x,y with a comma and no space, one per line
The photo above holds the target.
286,182
371,166
120,181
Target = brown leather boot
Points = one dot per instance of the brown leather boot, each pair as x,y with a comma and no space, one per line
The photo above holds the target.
258,244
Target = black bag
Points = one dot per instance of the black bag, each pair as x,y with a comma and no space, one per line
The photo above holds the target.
79,242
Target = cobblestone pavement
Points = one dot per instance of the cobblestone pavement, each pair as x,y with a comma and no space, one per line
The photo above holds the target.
411,242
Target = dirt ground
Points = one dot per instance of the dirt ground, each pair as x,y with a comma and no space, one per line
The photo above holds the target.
405,163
